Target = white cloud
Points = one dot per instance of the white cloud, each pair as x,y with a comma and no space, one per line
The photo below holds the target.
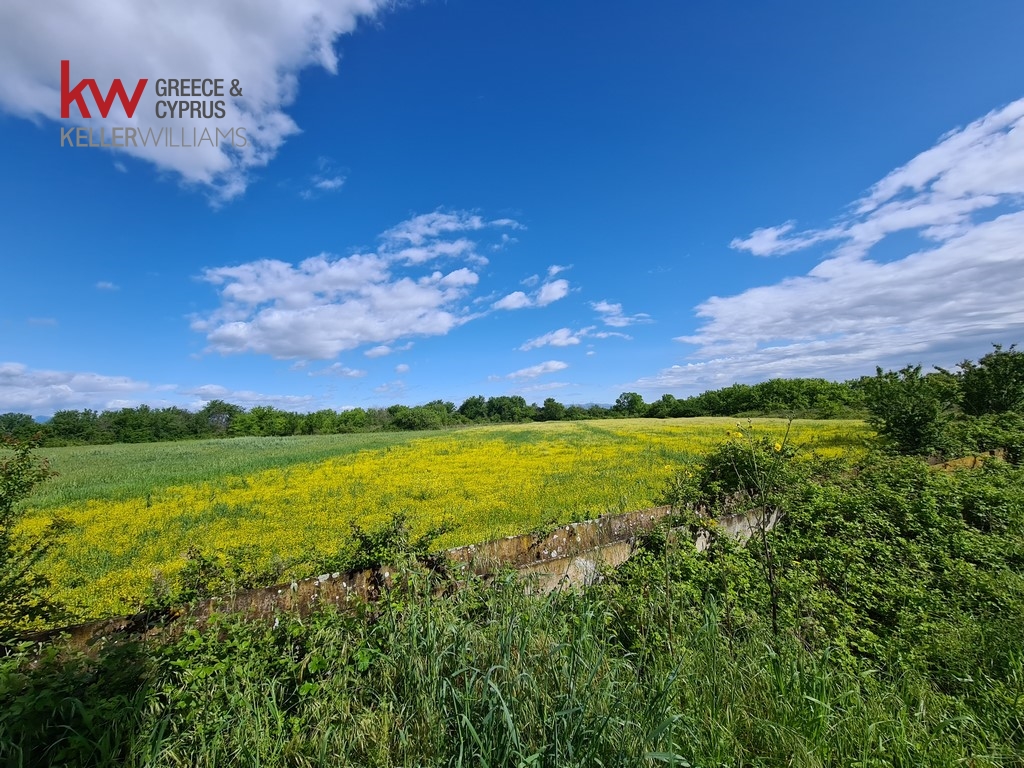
611,314
327,304
563,337
553,291
394,388
246,398
947,298
515,300
106,285
938,193
264,45
429,226
401,368
382,350
772,241
41,392
549,292
540,369
327,178
546,387
554,269
337,369
42,321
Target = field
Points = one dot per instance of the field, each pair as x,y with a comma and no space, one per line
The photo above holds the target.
134,510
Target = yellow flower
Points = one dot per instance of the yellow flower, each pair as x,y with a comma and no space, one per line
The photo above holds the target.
778,447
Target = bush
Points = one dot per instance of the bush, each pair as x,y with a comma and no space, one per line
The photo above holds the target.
21,601
910,410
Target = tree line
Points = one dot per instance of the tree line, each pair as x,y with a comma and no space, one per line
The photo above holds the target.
919,412
815,398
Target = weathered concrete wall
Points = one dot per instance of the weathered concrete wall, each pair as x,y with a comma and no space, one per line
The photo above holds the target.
571,555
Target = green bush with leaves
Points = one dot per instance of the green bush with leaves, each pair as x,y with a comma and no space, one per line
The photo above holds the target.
22,603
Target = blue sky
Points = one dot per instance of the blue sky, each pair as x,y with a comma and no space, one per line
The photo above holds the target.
567,199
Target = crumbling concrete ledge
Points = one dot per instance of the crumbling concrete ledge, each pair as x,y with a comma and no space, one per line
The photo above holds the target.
569,556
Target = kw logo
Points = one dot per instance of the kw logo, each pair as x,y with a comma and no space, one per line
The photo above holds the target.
76,95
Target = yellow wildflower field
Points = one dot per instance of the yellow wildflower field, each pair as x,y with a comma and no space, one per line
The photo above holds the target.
487,482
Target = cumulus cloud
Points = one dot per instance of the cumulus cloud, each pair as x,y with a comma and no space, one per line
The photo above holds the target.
327,304
401,368
553,291
514,300
41,392
264,45
106,285
948,297
612,315
549,292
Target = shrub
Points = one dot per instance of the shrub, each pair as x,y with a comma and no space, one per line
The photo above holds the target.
21,602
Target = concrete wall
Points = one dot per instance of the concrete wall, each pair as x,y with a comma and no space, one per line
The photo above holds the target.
570,556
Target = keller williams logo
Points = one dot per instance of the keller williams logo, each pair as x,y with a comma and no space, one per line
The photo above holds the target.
69,95
196,100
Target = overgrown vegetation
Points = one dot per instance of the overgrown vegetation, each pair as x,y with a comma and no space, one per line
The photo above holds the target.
980,407
22,586
286,505
898,601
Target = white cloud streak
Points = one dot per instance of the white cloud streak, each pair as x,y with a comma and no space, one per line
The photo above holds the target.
612,315
945,299
566,337
533,371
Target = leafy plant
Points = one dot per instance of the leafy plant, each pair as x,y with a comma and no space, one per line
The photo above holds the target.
21,586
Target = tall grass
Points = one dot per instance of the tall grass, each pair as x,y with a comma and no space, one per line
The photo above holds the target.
488,676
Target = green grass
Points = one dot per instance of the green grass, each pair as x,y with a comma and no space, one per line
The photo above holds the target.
123,471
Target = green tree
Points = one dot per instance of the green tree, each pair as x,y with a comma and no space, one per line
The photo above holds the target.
630,404
19,425
552,410
74,427
474,408
664,408
216,416
911,410
508,409
995,384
